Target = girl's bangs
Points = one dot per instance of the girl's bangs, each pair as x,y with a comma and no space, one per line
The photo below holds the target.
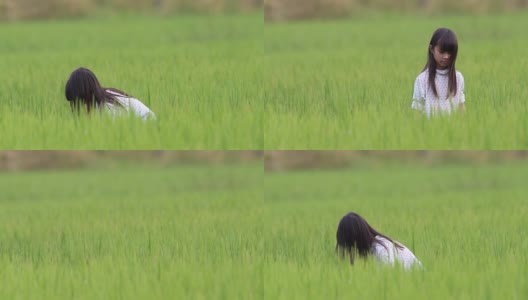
448,43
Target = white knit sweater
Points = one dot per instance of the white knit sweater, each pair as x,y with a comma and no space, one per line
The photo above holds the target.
390,254
130,105
425,100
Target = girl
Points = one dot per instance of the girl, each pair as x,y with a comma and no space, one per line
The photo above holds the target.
440,88
83,89
355,234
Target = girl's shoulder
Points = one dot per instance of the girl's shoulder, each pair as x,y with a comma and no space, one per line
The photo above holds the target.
383,249
379,248
424,74
388,244
125,98
116,92
422,77
382,243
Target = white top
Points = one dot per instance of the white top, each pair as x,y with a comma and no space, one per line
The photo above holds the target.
130,105
390,254
425,100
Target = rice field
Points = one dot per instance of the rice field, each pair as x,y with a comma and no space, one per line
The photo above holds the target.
132,232
348,84
465,223
135,231
199,74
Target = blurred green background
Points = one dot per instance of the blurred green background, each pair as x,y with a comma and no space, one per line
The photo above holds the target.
130,225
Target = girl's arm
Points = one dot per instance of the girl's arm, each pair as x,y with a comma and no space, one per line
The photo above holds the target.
418,102
461,106
141,109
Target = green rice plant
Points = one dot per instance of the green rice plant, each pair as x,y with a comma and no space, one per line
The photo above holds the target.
132,232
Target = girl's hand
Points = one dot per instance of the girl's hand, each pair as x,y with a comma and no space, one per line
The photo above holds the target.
462,107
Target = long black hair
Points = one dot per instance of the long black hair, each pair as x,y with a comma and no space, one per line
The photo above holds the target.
355,234
447,40
83,88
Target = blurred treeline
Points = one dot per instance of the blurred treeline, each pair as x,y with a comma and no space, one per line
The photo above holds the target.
302,9
46,9
32,160
295,160
273,160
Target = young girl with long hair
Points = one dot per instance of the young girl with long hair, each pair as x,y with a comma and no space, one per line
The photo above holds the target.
439,89
355,235
83,91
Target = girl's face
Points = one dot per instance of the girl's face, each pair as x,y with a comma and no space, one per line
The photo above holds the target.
442,58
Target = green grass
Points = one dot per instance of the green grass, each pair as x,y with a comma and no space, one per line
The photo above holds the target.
466,224
200,75
232,232
347,84
187,232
